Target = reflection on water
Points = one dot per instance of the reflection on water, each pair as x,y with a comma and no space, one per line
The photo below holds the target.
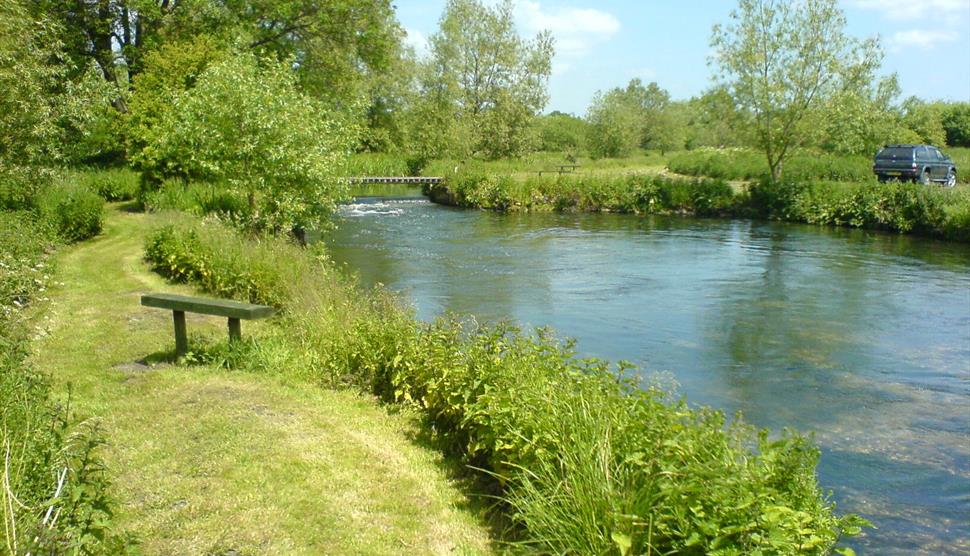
863,338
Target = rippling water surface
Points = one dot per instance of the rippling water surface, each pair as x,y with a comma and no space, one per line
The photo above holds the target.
861,337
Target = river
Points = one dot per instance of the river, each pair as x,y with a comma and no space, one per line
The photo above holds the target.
862,338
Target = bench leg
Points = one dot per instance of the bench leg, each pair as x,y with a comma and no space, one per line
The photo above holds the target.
235,330
181,340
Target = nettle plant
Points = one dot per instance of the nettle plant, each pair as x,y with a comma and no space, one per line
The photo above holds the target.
247,125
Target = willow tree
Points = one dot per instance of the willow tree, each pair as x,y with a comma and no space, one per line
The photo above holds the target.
781,60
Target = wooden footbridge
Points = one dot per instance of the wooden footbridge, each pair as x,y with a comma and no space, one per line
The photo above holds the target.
414,180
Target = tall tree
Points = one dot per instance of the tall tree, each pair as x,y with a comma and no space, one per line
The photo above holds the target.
495,79
335,44
636,116
780,60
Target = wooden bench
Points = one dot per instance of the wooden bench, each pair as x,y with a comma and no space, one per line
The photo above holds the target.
179,304
562,169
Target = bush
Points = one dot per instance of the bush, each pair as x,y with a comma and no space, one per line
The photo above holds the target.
632,193
587,460
74,212
112,184
894,206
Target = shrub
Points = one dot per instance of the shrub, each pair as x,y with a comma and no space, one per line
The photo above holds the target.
112,184
587,460
74,212
246,124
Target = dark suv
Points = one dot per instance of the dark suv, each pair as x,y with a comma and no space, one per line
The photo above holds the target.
914,162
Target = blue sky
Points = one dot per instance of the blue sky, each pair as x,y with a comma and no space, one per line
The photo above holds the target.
604,43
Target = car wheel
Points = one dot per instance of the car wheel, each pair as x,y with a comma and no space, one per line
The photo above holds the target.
924,178
951,178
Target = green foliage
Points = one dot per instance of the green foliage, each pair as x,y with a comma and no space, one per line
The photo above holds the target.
956,124
169,71
245,124
637,116
860,121
782,61
378,164
894,206
925,121
587,460
614,126
632,194
742,164
74,212
561,132
714,120
483,80
112,184
54,495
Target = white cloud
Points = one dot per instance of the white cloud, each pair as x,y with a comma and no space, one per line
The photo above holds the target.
921,38
909,9
416,40
576,30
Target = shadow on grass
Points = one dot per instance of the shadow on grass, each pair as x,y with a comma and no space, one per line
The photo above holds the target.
482,491
131,207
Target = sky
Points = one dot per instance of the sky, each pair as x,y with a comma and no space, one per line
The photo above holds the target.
601,44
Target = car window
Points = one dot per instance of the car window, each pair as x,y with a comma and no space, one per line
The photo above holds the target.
896,152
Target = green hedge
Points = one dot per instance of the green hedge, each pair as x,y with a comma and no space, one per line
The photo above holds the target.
586,461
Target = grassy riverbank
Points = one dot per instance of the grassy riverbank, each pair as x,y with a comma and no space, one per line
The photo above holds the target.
898,207
582,459
206,460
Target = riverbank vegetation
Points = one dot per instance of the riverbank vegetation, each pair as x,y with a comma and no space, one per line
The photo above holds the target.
584,458
249,115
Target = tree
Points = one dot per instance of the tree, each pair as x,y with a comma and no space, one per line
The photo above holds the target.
495,80
635,116
561,132
956,123
247,125
615,126
925,120
336,44
860,120
781,60
714,120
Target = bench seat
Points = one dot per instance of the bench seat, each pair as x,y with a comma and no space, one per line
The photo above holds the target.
180,304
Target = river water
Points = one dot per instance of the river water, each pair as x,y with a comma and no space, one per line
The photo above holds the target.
862,338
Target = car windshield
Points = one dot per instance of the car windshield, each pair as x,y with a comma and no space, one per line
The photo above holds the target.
896,152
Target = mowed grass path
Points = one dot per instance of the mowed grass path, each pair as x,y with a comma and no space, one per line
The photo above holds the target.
211,461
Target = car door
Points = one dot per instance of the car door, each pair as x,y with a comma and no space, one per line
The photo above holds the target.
943,163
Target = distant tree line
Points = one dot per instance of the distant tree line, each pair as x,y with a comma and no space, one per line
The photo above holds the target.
268,96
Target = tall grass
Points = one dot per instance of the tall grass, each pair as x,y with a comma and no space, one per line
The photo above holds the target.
112,184
378,164
587,461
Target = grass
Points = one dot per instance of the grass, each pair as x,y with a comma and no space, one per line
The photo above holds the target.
530,166
206,460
